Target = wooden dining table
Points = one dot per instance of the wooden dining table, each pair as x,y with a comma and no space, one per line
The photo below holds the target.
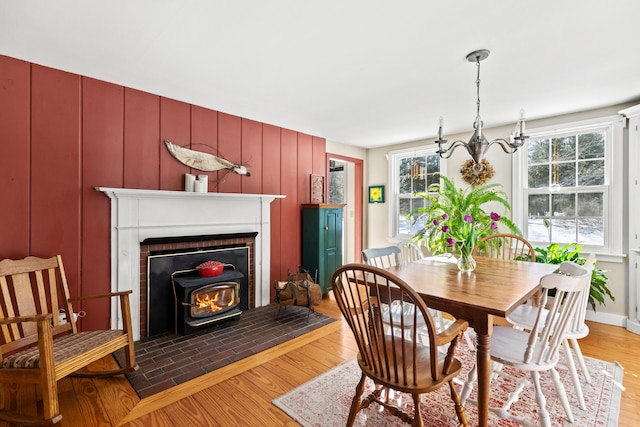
495,288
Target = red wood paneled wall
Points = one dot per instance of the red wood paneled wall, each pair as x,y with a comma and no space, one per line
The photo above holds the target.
63,134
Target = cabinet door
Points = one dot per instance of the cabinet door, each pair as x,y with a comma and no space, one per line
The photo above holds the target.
333,228
322,242
332,224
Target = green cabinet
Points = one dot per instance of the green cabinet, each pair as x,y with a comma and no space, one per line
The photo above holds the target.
322,241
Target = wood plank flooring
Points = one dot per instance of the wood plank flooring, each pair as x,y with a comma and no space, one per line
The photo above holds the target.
241,394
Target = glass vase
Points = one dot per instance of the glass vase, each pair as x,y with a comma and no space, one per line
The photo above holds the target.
466,262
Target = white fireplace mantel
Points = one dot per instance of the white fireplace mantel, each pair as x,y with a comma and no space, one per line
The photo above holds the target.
140,214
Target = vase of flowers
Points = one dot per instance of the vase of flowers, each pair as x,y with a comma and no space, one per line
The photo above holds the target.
466,263
464,239
455,219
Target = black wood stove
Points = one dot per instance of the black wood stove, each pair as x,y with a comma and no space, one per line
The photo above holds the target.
203,301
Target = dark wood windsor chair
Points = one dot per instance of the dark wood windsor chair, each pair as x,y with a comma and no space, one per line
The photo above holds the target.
395,361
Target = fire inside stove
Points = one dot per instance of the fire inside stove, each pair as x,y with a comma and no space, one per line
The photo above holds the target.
214,298
203,301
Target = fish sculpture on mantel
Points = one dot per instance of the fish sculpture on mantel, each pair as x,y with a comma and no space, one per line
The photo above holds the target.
203,161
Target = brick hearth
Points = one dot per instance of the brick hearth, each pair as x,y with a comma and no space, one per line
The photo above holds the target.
168,360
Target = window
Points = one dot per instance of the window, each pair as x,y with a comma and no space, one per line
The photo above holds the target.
410,172
567,177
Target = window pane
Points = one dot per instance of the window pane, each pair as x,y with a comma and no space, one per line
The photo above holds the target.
433,178
407,206
404,225
591,204
538,151
591,231
418,202
419,185
536,230
563,230
405,184
433,164
405,167
419,166
591,172
539,205
539,176
564,148
404,207
564,205
591,145
566,174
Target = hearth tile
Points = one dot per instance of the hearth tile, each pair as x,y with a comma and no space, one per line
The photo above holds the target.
163,366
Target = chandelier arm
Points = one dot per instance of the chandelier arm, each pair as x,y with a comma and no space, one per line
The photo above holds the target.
447,152
506,146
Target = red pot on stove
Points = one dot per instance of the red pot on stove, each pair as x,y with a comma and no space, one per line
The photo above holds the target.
210,269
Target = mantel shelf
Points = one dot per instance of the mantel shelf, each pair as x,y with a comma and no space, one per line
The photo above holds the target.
136,193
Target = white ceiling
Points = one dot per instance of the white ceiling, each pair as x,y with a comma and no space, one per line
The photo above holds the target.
359,72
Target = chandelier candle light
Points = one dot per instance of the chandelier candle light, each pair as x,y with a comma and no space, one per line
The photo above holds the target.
478,144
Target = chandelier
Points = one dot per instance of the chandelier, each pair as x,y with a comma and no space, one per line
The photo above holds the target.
478,144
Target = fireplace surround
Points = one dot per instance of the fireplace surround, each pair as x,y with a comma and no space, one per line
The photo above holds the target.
137,215
172,278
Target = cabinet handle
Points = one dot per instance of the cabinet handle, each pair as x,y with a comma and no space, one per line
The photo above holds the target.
326,228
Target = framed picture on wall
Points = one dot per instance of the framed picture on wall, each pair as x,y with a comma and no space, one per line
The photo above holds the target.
376,194
317,188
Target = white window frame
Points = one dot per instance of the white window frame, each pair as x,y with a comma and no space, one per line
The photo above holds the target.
393,192
612,249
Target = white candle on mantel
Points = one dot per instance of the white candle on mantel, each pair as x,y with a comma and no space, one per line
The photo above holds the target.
199,186
205,180
189,182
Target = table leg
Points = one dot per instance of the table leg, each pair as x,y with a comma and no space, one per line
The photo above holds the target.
483,363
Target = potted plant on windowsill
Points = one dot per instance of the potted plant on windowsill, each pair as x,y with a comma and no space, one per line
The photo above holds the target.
556,254
455,219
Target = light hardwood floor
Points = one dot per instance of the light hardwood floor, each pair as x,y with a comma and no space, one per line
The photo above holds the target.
241,394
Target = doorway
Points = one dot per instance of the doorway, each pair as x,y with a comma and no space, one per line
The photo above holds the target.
345,176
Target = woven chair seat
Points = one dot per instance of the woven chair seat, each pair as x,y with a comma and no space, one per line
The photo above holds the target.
64,348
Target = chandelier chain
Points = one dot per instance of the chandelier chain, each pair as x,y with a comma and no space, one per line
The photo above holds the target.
478,88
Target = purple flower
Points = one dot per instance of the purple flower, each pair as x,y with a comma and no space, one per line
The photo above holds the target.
495,216
436,221
451,241
445,216
445,228
468,218
494,226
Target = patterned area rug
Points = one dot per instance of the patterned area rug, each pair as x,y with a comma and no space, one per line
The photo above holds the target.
325,400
